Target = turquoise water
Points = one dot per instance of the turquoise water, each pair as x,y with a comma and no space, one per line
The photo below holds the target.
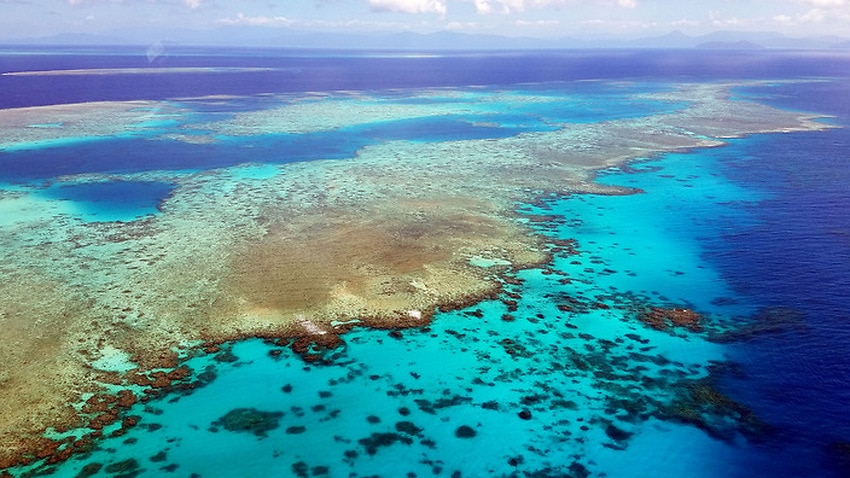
654,239
123,201
599,387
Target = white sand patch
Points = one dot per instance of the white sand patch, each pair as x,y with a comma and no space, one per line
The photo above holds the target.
337,323
113,360
419,285
310,326
485,262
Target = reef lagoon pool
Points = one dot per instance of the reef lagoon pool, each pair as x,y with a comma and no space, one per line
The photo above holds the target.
619,264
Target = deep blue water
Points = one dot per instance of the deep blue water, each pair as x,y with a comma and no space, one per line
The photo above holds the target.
785,253
295,71
786,247
797,255
133,155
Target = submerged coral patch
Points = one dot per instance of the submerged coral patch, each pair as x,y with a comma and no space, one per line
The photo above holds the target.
375,441
465,431
664,319
250,420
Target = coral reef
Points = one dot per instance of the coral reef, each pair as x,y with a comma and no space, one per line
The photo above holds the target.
665,319
250,420
383,239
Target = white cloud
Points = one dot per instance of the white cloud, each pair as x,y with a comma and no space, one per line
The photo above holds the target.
823,11
815,15
721,21
826,3
538,23
461,26
512,6
193,4
727,22
318,25
483,6
506,7
499,6
242,19
409,6
684,22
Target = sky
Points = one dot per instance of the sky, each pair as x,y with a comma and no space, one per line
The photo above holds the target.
534,18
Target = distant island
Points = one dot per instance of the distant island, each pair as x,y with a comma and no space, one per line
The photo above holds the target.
731,45
240,36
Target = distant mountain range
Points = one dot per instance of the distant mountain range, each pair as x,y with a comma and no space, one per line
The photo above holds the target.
283,38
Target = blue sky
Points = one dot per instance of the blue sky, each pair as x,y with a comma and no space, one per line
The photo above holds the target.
536,18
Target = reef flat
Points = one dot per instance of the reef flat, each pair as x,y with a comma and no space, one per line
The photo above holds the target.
278,249
60,124
135,71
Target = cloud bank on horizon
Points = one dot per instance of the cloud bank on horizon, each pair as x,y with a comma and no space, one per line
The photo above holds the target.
534,18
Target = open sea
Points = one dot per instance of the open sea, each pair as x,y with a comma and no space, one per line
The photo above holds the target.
754,234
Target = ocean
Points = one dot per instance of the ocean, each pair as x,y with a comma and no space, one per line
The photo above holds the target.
559,373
